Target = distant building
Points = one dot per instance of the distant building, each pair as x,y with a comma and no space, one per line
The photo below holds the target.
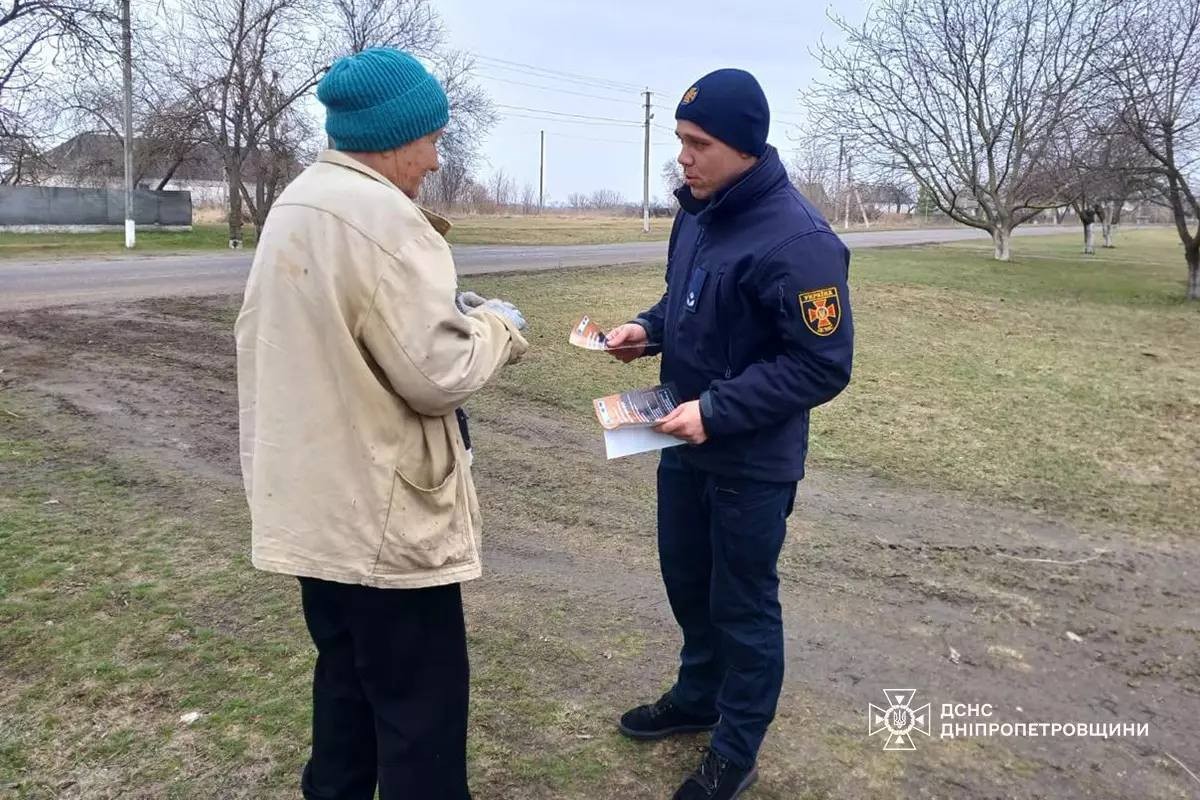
96,160
886,198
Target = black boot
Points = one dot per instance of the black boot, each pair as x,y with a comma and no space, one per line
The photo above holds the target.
664,718
716,779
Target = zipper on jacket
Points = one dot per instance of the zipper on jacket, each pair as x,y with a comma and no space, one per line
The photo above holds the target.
726,330
687,280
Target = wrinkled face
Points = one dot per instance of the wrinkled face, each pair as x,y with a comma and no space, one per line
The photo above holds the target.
709,165
407,166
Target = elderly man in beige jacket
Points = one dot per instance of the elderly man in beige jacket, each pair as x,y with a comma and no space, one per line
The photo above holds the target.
353,357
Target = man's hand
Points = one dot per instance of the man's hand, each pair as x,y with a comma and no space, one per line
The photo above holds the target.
684,422
626,342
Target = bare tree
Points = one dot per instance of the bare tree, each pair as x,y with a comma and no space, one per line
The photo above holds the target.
1157,80
968,96
529,199
471,116
241,65
1102,169
33,34
290,138
501,186
449,187
815,171
672,178
1130,177
167,127
23,140
476,196
411,25
1085,180
606,199
31,29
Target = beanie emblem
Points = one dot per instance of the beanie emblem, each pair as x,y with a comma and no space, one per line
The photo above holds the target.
690,95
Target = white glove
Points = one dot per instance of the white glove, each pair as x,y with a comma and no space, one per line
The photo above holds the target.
507,310
468,300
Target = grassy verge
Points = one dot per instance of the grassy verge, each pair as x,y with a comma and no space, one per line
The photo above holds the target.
549,229
142,657
518,230
112,243
1058,381
127,601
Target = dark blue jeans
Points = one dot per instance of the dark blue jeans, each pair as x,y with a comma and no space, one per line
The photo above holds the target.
718,543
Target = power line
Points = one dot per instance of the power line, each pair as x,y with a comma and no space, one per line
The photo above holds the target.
511,115
558,79
558,135
554,89
562,74
576,137
564,114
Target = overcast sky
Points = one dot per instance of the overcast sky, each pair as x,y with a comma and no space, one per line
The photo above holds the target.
618,48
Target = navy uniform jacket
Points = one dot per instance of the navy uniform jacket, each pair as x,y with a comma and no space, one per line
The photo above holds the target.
755,321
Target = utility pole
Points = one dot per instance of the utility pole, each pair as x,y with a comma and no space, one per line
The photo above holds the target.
127,69
542,177
849,186
838,187
646,171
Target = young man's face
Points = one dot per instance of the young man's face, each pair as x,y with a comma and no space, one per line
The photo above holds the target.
709,165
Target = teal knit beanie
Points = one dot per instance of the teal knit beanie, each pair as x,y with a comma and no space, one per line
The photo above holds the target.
381,99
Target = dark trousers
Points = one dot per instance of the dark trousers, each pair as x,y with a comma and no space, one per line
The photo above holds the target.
718,543
390,693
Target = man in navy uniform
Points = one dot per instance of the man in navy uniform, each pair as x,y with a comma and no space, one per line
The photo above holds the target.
755,330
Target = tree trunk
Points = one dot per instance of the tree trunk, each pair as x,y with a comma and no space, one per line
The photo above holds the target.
1001,238
260,197
1089,238
234,172
170,173
1107,228
1192,253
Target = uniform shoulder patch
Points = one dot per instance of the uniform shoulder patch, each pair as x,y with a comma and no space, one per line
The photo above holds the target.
822,310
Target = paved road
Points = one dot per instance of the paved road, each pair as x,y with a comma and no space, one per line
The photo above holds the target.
33,284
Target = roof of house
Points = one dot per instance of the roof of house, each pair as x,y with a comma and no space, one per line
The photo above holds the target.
101,155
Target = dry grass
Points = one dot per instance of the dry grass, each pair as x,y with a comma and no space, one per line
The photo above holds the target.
126,597
555,229
1058,381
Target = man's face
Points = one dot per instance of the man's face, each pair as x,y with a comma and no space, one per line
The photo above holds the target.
709,165
408,165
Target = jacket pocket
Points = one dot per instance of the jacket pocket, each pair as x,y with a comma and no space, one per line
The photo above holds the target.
427,527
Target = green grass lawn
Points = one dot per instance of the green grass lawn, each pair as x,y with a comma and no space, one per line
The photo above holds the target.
112,243
550,229
1056,382
521,230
